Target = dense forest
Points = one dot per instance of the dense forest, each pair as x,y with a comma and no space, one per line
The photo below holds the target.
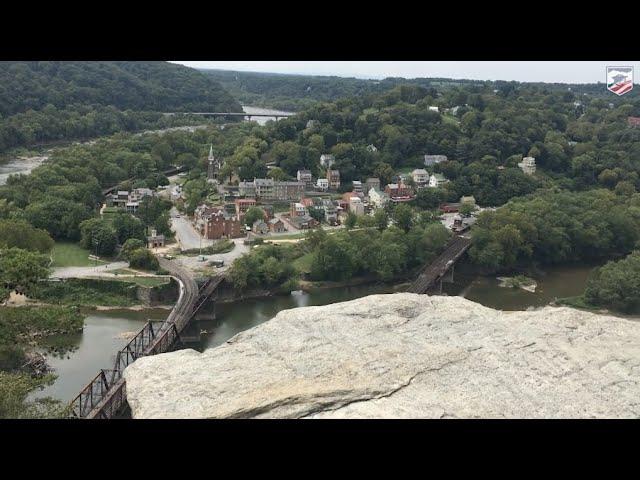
50,101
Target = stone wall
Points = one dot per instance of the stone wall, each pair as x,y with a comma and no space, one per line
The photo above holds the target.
161,295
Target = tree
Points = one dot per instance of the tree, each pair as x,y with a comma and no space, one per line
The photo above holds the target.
351,220
127,226
331,261
99,236
21,268
467,208
253,214
316,213
277,174
403,216
61,218
430,198
143,259
381,219
131,245
384,172
20,234
616,285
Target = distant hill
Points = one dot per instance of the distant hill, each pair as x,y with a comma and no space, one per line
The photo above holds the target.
149,86
51,101
289,92
296,92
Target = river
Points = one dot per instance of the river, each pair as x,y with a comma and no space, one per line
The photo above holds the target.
25,164
20,165
77,358
96,346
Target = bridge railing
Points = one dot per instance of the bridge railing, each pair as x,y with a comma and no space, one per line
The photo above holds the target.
106,393
97,389
92,394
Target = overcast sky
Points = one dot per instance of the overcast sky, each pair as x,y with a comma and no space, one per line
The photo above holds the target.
561,72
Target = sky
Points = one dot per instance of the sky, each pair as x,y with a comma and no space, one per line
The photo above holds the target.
529,71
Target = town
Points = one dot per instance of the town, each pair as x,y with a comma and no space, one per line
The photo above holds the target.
268,209
399,210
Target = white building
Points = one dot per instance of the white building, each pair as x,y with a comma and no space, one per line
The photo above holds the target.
298,210
420,176
433,159
434,109
377,198
356,206
357,186
327,160
528,165
322,184
305,177
437,180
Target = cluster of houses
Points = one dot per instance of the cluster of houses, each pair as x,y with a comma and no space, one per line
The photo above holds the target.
128,201
227,221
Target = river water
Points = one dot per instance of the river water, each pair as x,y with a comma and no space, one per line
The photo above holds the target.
20,165
77,358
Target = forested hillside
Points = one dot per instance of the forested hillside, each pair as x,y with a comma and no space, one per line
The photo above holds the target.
297,92
49,101
288,92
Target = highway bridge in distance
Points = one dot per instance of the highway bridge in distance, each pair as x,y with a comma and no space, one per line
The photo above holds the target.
233,114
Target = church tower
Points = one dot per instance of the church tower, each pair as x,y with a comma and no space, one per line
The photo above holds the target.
212,173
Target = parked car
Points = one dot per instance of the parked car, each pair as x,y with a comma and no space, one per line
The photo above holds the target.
216,263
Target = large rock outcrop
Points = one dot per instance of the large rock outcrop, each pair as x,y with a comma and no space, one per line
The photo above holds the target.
402,356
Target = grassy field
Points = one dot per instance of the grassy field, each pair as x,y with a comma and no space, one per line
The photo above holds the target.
303,263
71,255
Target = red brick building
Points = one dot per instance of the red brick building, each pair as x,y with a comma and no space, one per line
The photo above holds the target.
217,224
633,121
244,204
399,192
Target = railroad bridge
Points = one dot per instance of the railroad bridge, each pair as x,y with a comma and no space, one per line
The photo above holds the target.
233,114
434,273
105,396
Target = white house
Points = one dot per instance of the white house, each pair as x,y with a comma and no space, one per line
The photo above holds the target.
433,159
356,206
434,109
528,165
327,160
377,198
420,176
322,184
437,180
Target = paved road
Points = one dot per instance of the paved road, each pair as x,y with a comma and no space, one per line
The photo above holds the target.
228,258
186,235
79,272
